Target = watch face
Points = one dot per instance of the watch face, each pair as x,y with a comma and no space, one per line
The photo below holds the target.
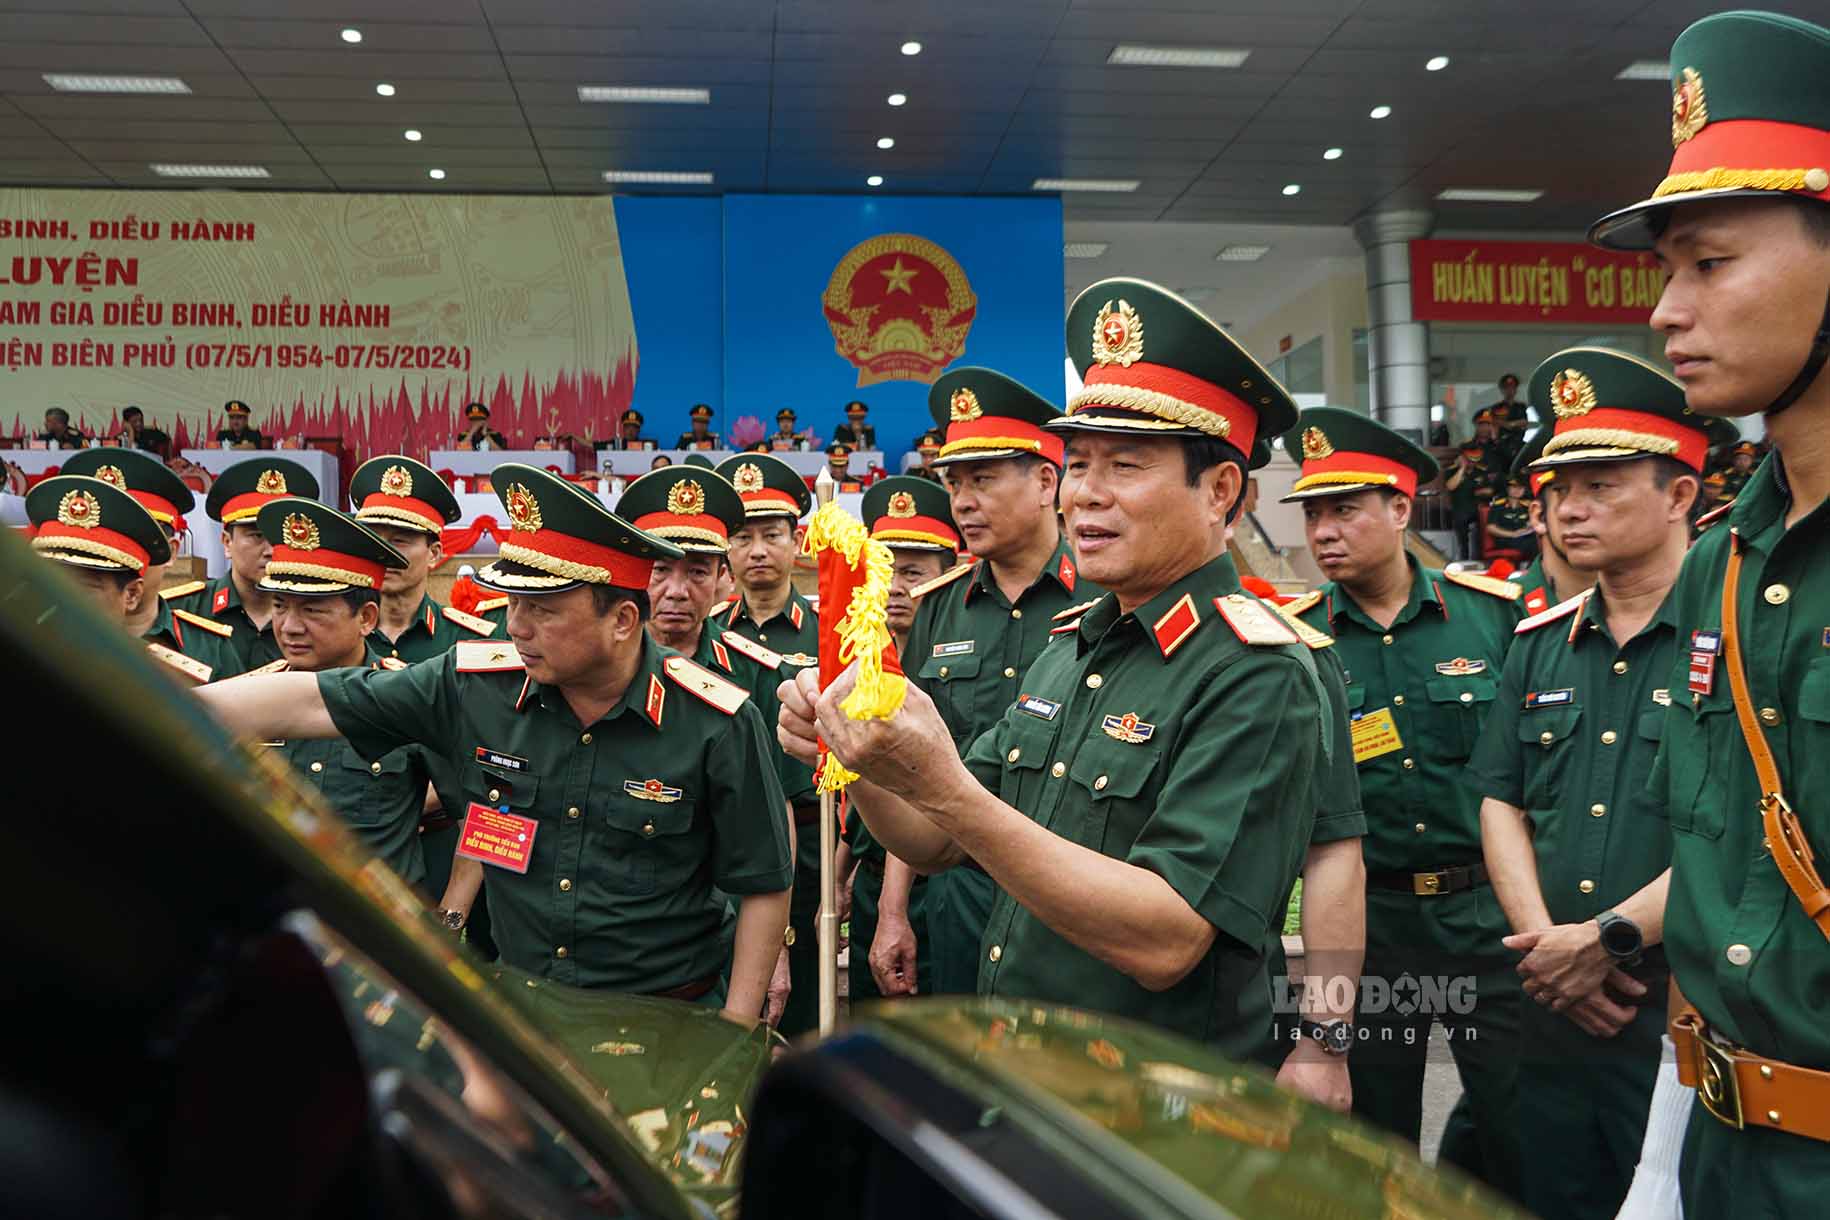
1620,937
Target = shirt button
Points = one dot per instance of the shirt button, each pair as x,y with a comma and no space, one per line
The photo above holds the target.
1398,700
1546,737
1620,667
1093,681
1016,614
1769,715
1596,811
1410,764
943,671
1740,955
560,952
1420,828
762,636
1587,887
1467,696
1099,785
1014,755
1609,738
572,812
375,768
1385,639
648,828
1777,595
495,794
997,952
585,740
565,883
1010,671
1058,770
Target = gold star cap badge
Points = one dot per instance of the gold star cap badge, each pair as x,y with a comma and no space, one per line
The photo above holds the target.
271,483
1315,445
1689,109
964,407
396,481
1571,394
686,499
902,504
79,509
749,477
301,532
523,509
1118,335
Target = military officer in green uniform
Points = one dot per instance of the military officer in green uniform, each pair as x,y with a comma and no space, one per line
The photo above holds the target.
1563,758
1741,461
1145,801
1741,226
235,599
610,784
1470,483
1550,577
979,628
768,608
1509,518
701,436
325,577
1422,650
890,945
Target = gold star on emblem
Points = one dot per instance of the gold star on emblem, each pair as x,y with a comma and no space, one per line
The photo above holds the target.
898,277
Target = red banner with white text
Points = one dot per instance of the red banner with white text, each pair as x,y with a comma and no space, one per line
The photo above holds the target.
1532,281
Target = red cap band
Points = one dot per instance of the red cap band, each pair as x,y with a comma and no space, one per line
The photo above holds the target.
112,539
247,505
1177,391
931,528
287,561
418,509
967,436
702,522
1692,444
625,570
1345,461
1752,146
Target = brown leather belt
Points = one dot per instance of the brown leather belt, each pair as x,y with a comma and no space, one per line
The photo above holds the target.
1742,1089
1425,885
688,991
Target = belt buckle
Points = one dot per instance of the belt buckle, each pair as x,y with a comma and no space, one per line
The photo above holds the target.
1717,1087
1425,884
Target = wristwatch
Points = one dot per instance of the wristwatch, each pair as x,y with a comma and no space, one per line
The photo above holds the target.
1334,1036
1621,937
454,921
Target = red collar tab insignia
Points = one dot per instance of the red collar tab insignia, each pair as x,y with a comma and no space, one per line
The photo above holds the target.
652,790
523,509
481,657
112,476
1118,335
1127,728
79,510
1065,573
899,308
686,498
902,504
964,407
1536,600
221,601
1461,667
397,481
1571,394
1689,109
271,483
794,615
1176,625
1549,698
300,532
1254,622
431,622
1315,445
722,656
730,620
657,698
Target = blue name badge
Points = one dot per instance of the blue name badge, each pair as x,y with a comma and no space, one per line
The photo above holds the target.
1707,640
1036,705
1549,698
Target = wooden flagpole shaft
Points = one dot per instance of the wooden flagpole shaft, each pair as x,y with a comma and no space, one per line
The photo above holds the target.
829,917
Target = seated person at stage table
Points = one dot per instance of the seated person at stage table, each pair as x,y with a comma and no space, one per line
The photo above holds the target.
854,431
237,434
785,438
58,434
838,465
701,436
136,435
629,434
479,435
926,450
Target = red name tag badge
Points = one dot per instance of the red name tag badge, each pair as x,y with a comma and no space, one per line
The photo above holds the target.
494,837
1702,672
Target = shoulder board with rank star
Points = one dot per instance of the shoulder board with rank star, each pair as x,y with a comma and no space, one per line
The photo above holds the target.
764,656
183,590
1485,584
945,578
1561,610
1254,622
390,663
494,603
481,626
721,607
1315,639
726,696
1301,605
190,667
208,624
1068,621
1714,515
272,667
482,657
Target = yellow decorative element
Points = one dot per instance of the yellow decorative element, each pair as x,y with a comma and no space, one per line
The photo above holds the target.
112,476
1610,438
1344,477
205,624
1172,411
686,498
898,278
184,590
1315,445
523,512
1817,180
901,504
493,603
1302,604
88,546
540,561
271,483
964,407
1118,335
79,510
279,569
300,532
481,626
1507,589
691,533
191,668
397,481
1689,109
749,477
945,578
1571,394
970,443
892,537
863,632
1723,178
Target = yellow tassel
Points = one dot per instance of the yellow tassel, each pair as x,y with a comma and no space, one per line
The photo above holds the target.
864,631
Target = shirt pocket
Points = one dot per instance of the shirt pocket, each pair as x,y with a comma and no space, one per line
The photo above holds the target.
1111,781
650,849
497,786
949,681
1027,746
1457,706
1700,746
372,791
1547,743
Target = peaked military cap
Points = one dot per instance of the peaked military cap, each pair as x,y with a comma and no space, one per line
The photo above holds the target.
700,411
239,492
1750,116
1613,407
319,552
1152,364
769,487
930,443
396,490
986,415
1533,450
786,413
907,513
632,416
1343,451
141,475
838,449
855,407
694,509
1748,447
476,411
89,523
562,537
235,407
697,459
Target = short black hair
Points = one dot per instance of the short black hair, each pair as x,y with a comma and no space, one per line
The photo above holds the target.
1815,215
1512,377
356,599
605,598
131,412
1667,470
59,412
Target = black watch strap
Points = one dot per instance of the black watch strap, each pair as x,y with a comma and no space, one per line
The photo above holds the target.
1335,1036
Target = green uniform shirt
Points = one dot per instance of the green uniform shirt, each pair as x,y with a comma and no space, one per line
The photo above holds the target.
1192,759
618,888
1504,514
970,646
1339,811
193,641
1742,948
1476,487
762,683
1433,674
250,647
1570,739
794,631
431,634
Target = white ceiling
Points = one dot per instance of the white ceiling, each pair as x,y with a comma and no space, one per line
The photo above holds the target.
1005,91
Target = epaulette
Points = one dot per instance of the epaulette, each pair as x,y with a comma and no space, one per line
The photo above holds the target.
1068,621
727,697
190,667
481,626
1253,621
720,608
1302,604
945,578
768,658
272,667
208,624
1713,515
390,663
1560,610
1485,584
481,657
494,603
184,590
1315,639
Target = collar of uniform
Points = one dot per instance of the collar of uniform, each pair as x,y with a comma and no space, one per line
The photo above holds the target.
1426,587
1763,499
1215,578
234,602
983,582
162,624
1592,620
740,609
638,696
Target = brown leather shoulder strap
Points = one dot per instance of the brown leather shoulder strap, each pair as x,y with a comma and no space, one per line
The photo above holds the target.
1785,839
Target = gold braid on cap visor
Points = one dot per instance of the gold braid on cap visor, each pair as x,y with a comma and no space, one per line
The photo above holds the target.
89,546
1610,438
1722,178
1330,477
318,571
967,443
1173,412
388,515
543,562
